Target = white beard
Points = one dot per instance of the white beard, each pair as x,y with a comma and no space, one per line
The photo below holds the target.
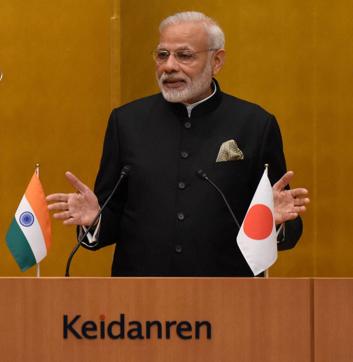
193,89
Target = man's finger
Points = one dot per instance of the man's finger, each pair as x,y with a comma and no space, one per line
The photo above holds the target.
71,221
58,206
62,215
75,182
283,217
291,216
299,192
283,181
299,209
301,201
57,197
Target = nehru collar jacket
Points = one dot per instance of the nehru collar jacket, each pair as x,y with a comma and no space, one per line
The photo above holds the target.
164,219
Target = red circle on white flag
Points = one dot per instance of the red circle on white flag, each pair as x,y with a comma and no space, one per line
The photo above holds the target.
258,223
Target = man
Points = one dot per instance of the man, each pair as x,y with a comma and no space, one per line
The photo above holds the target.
165,220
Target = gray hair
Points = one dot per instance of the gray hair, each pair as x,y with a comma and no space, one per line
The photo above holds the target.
215,33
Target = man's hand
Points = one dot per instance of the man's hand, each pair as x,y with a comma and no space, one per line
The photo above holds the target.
78,208
288,204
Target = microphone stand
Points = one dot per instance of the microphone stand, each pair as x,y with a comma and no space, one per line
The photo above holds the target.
204,176
124,172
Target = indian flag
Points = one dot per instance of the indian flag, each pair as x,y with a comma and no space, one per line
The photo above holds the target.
29,235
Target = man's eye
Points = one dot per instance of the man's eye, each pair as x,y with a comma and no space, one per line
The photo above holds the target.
163,54
184,55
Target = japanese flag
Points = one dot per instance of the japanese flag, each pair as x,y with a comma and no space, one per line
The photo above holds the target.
257,237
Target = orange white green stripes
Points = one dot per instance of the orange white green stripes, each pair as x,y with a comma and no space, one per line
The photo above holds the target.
29,235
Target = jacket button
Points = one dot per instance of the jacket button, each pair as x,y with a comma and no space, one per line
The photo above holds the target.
184,154
187,125
181,185
180,216
178,248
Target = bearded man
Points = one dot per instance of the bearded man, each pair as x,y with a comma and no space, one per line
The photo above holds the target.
165,220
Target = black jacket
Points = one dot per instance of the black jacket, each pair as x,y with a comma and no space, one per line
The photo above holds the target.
164,219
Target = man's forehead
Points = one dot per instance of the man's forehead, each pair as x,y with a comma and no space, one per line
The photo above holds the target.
184,35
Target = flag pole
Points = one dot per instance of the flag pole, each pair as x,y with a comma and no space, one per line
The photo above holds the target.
38,264
267,272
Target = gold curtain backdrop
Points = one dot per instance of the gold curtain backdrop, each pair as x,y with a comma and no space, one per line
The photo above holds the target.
66,64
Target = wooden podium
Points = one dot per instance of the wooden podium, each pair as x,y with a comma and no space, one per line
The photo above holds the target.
176,319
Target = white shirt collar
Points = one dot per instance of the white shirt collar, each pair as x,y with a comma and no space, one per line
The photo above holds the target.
190,107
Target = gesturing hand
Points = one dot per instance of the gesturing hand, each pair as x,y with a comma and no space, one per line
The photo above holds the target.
288,204
78,208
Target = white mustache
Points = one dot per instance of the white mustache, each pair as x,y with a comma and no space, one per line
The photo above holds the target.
170,77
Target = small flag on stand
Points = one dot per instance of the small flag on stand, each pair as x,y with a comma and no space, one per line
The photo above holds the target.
29,235
257,239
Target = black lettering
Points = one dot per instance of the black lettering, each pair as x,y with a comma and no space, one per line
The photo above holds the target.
168,324
136,332
121,325
149,325
208,326
184,326
89,326
68,327
102,328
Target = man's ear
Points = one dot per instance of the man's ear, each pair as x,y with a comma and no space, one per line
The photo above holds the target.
218,61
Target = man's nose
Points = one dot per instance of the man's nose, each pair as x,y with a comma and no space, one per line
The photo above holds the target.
171,64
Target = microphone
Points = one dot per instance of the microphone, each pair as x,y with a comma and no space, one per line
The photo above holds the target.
124,172
204,176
